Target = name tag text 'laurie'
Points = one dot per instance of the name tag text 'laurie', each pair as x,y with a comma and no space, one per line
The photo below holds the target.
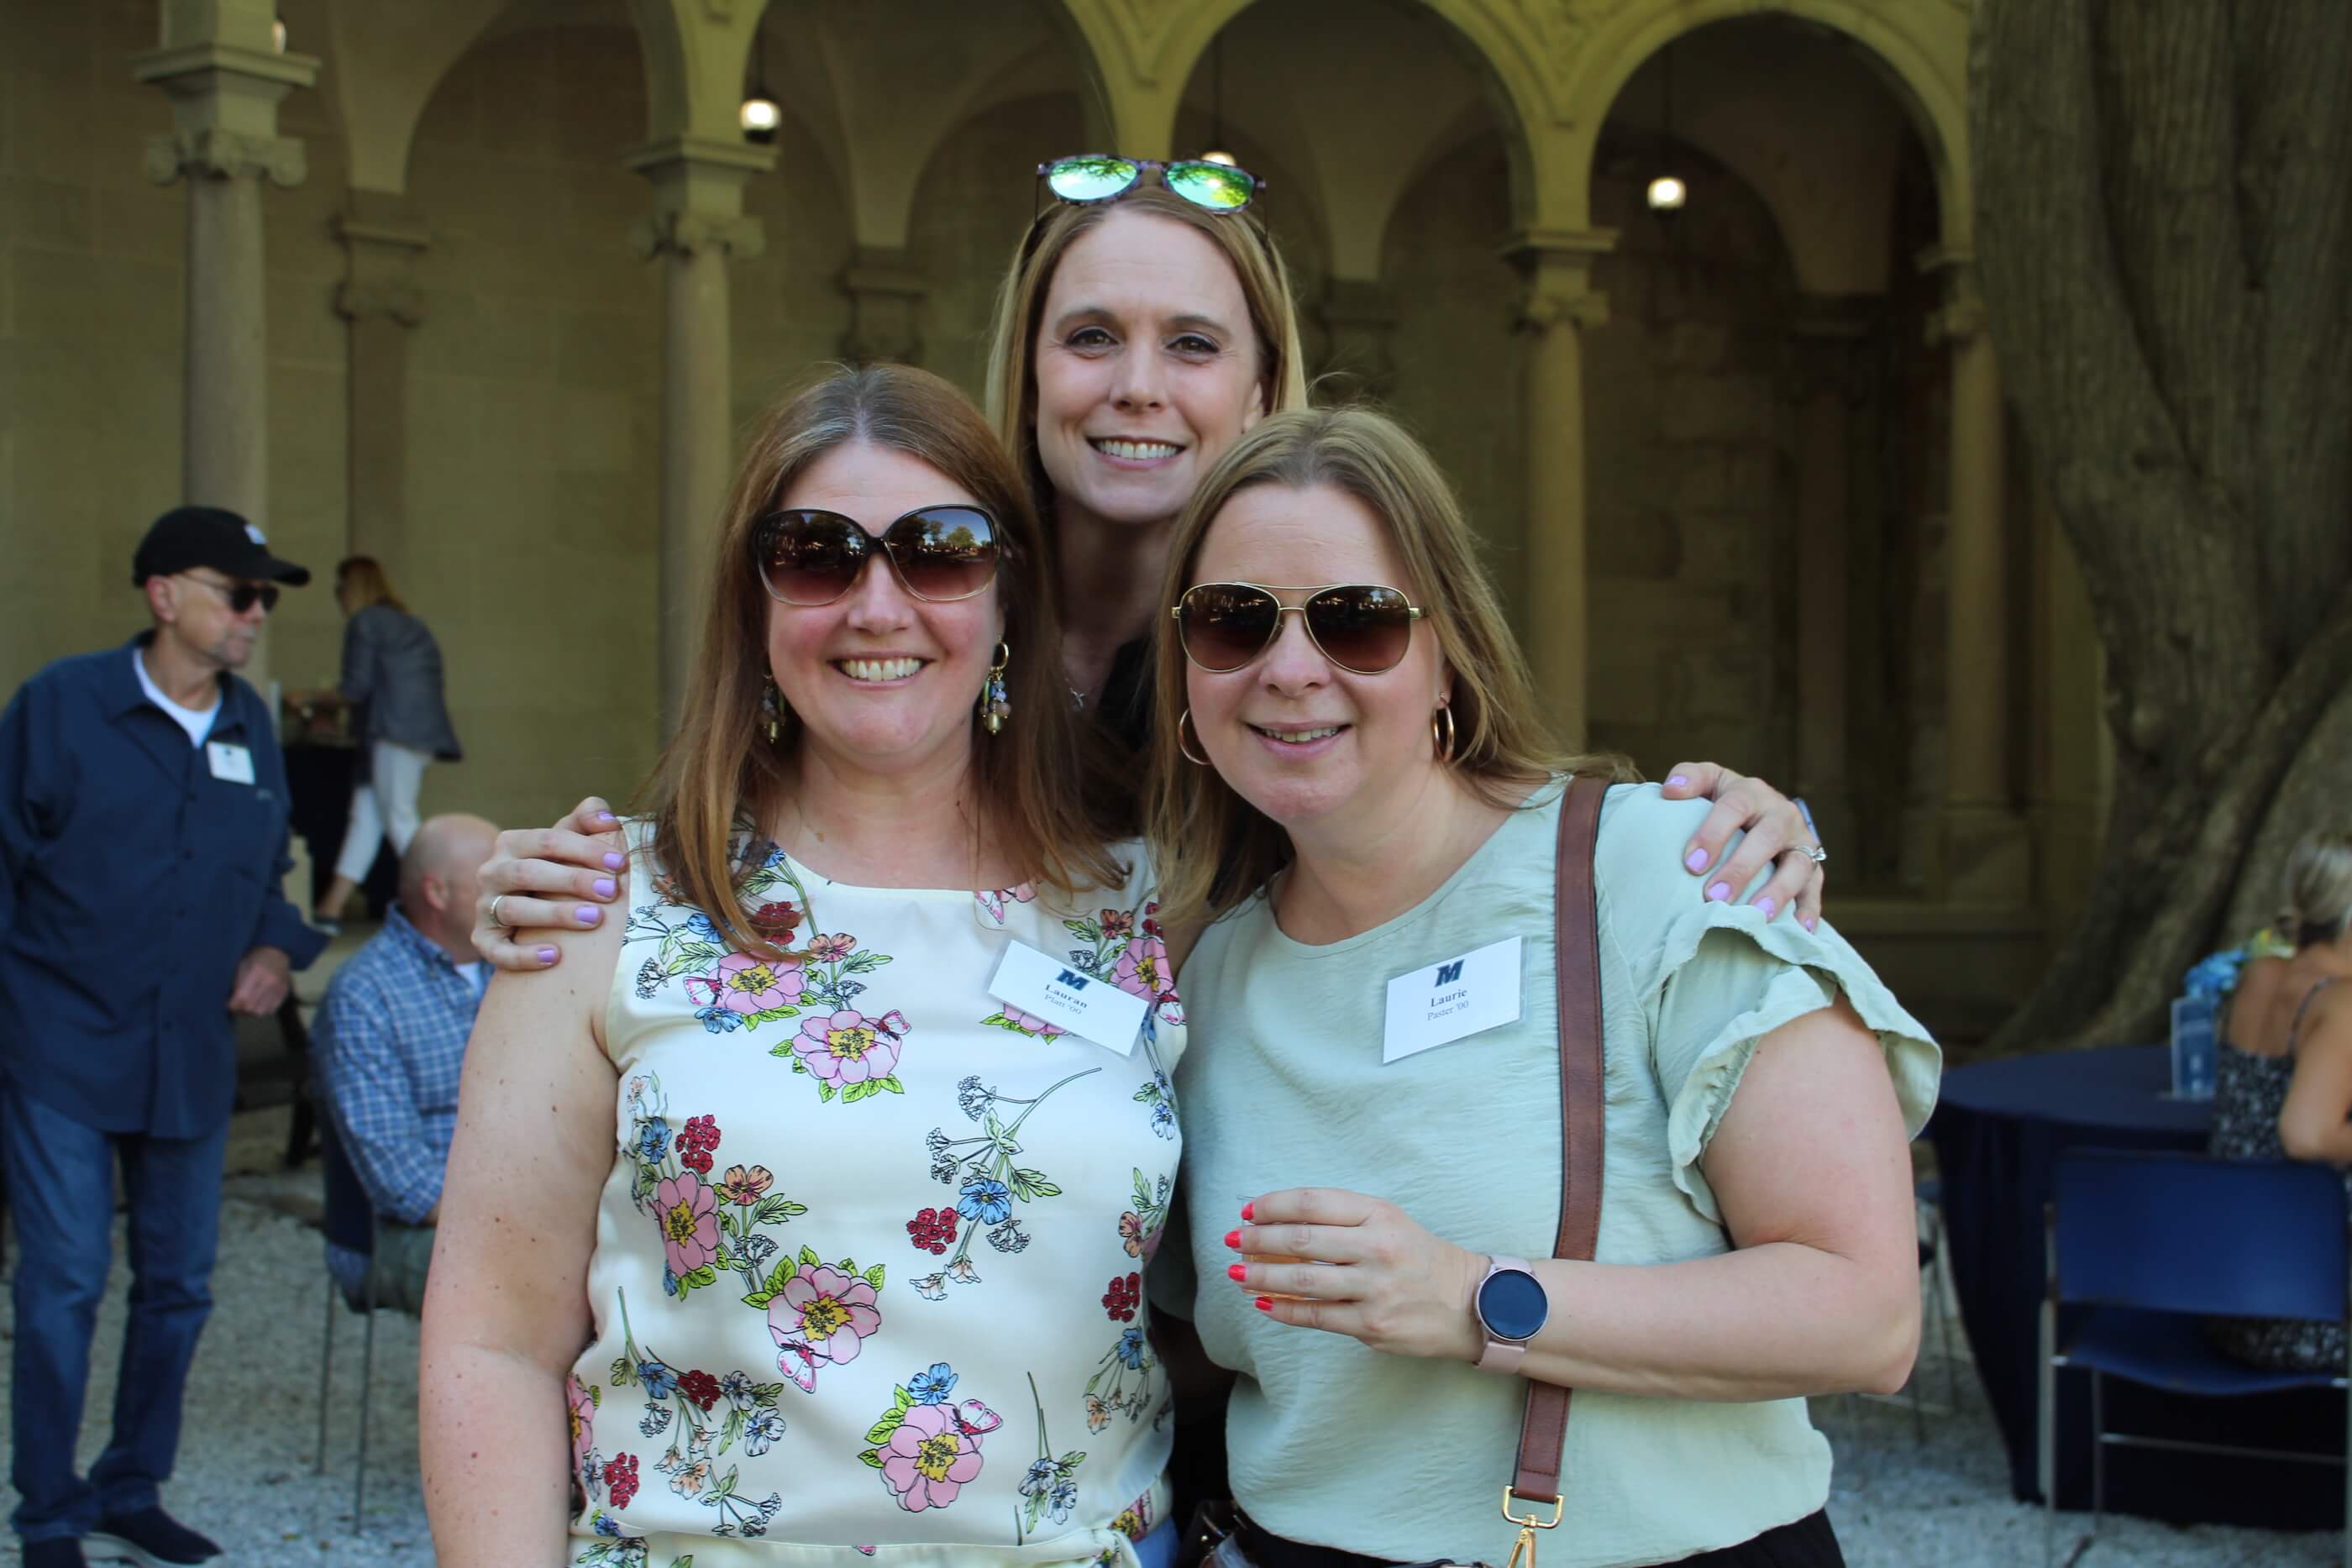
1443,1003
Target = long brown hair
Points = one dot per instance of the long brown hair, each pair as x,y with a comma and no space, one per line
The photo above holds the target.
362,581
1020,309
1042,783
1210,848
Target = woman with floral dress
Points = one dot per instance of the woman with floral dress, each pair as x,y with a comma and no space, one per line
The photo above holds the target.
851,1226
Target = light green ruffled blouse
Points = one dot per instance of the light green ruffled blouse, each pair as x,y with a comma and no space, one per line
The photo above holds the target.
1334,1443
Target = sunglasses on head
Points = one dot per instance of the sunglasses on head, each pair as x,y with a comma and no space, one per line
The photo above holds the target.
1087,178
1361,627
241,596
809,557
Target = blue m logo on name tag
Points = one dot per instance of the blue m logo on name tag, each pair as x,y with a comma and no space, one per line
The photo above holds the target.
1076,982
1447,974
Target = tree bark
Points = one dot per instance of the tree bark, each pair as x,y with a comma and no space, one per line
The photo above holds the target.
2164,232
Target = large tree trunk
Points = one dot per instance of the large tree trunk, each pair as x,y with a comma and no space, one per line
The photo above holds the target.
2164,228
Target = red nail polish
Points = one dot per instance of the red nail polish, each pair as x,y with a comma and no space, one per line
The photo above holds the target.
1236,1272
1249,1209
1264,1303
1234,1240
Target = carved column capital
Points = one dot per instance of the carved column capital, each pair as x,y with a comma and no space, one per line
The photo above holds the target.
216,154
1557,267
1359,318
695,234
1962,314
886,291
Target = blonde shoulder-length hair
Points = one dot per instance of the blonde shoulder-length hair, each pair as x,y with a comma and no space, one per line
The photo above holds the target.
1042,783
1021,310
362,581
1212,848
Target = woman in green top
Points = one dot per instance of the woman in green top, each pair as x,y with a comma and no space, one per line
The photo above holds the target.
1358,793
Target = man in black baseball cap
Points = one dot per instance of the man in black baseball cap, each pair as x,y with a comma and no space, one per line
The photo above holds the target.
143,849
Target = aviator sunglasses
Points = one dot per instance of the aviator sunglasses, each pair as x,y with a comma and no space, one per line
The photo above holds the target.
809,557
1087,178
1360,627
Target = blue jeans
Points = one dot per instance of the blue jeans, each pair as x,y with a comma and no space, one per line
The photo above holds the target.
60,1183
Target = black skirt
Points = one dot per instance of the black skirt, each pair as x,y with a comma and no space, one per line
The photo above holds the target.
1807,1543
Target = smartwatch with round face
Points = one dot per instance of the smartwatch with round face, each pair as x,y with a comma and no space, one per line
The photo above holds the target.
1511,1307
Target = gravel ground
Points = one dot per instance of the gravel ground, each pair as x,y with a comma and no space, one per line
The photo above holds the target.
247,1477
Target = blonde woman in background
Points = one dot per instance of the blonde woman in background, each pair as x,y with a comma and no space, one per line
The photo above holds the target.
2283,1087
392,678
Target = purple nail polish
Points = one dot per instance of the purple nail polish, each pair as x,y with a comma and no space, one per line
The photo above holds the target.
1697,860
1768,906
615,860
605,816
603,887
1812,923
1720,893
588,914
1677,782
547,954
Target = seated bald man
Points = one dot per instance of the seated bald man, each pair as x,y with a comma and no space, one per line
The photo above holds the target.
389,1041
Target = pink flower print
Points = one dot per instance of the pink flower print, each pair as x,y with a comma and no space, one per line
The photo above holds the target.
832,949
930,1458
1118,922
1143,970
690,1222
746,984
827,1312
1030,1023
582,1407
847,1047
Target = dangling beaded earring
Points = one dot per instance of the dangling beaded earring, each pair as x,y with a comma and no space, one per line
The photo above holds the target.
995,706
772,705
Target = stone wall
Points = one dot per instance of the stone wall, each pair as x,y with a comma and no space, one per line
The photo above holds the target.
91,291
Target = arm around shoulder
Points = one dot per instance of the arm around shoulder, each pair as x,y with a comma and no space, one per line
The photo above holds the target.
506,1299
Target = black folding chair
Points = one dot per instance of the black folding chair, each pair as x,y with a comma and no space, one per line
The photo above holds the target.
351,1224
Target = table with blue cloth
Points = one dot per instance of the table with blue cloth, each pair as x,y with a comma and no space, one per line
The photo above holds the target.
1998,1130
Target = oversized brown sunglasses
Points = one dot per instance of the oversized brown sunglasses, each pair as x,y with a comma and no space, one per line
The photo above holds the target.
1361,627
810,557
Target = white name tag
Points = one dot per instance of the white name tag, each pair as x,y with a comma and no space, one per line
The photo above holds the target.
1439,1004
1083,1004
232,763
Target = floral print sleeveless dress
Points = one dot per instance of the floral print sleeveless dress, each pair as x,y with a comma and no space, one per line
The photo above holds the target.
867,1284
2249,1092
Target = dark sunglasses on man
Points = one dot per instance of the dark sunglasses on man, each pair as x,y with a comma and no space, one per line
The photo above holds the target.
1361,627
241,596
809,557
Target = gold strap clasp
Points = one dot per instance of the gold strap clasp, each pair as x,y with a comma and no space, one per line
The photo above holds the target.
1523,1550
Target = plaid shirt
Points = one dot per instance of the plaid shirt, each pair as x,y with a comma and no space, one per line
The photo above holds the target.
390,1041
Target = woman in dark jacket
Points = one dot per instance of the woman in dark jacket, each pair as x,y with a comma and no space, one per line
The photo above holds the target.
392,678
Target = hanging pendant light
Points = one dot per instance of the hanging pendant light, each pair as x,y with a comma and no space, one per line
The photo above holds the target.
760,115
278,34
1667,194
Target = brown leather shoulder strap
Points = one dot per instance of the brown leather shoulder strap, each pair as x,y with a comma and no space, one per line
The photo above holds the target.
1582,1096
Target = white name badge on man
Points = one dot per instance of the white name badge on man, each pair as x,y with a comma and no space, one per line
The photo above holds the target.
1444,1002
231,764
1090,1006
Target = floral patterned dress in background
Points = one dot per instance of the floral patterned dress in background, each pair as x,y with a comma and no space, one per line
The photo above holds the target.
867,1268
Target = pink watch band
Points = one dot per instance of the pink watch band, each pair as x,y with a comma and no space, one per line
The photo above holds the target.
1500,1355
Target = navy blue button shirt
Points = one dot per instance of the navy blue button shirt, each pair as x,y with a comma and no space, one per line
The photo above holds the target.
133,880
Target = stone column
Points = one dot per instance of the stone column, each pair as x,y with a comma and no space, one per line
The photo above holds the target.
886,305
224,89
1558,303
1983,853
380,299
698,223
1827,330
1359,318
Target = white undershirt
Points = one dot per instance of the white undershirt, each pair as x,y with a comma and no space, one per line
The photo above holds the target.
198,722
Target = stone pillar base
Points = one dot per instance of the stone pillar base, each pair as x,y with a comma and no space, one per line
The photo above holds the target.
1981,854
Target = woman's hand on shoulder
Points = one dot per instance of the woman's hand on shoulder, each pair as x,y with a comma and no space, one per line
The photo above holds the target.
531,881
1777,831
1368,1270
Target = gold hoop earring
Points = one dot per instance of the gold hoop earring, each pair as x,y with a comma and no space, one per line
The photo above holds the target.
1180,719
995,707
1441,738
772,705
